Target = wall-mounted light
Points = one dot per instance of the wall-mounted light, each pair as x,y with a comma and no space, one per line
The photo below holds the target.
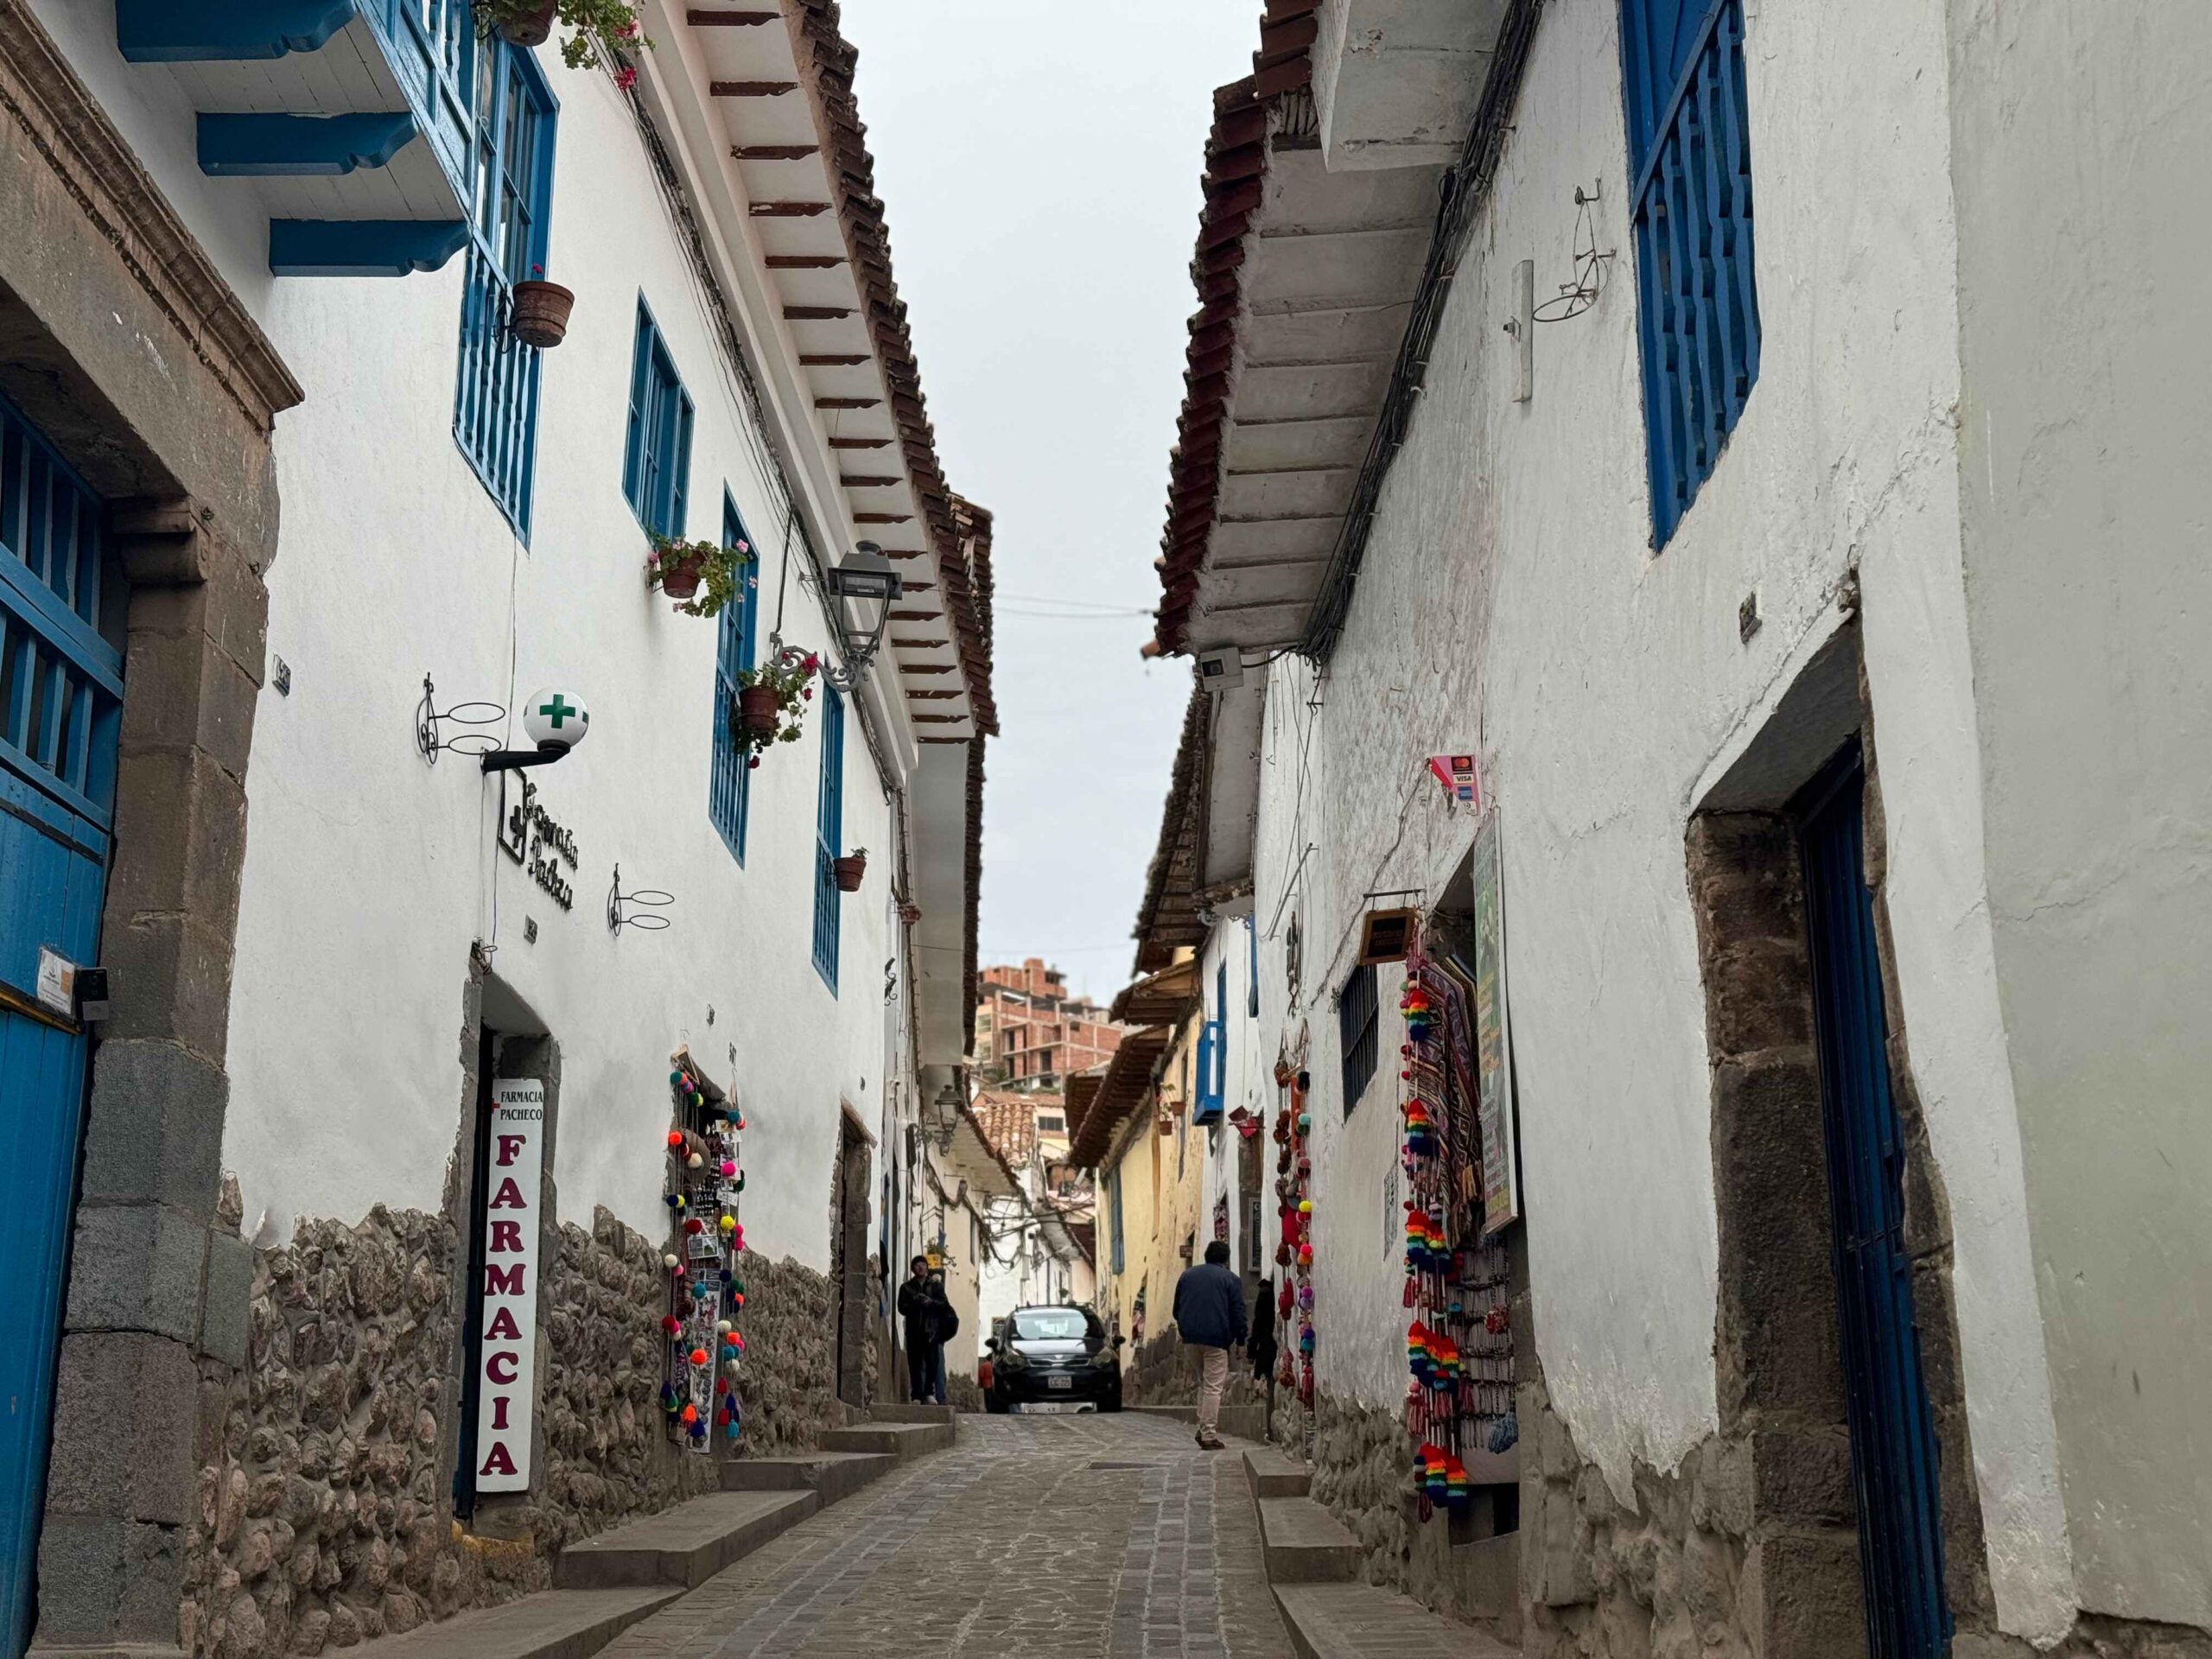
866,577
555,721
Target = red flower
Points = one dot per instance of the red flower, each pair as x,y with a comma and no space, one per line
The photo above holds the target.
626,78
810,663
628,31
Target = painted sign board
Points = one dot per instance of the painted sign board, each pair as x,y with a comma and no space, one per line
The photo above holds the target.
507,1338
1493,1045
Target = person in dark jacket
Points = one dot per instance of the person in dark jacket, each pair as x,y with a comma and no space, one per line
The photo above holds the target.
1209,1314
922,1305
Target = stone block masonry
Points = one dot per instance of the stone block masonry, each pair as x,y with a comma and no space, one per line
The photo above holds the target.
324,1511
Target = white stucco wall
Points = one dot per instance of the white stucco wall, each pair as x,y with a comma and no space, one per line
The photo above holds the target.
1509,579
2087,426
368,873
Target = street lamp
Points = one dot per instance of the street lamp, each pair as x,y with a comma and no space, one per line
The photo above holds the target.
864,576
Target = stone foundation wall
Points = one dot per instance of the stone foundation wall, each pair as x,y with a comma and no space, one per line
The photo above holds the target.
325,1502
1164,1372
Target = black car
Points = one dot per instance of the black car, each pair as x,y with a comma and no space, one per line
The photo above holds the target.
1053,1358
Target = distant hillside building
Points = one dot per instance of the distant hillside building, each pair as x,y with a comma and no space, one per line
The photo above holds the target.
1030,1033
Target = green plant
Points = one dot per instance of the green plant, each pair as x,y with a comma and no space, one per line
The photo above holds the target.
788,673
600,31
720,569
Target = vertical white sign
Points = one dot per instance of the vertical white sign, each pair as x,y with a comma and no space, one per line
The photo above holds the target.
507,1338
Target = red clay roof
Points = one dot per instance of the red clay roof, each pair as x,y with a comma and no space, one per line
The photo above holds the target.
1008,1121
828,60
1236,164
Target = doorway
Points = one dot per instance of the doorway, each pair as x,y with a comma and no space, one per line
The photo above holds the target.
848,1263
60,711
1893,1450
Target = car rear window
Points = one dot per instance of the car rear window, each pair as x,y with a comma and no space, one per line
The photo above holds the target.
1054,1325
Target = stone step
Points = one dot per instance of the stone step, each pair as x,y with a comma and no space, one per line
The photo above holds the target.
551,1625
902,1440
1305,1544
1365,1621
686,1545
1273,1475
910,1411
1173,1414
834,1475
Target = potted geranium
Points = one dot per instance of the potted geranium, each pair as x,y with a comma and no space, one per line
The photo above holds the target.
771,698
850,870
600,31
701,576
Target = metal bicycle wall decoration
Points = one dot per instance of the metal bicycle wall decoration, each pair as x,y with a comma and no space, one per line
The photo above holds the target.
431,740
650,901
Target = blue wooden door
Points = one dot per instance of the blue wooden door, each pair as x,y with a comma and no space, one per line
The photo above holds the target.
1893,1456
60,703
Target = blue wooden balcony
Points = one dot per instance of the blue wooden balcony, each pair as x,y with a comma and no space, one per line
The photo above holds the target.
352,117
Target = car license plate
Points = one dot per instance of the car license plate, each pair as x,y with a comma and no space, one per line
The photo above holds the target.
1059,1382
1054,1407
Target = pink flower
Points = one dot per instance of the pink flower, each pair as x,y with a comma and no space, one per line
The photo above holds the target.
628,31
626,78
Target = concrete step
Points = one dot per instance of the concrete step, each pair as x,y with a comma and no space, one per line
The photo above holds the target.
1273,1475
686,1545
1365,1621
900,1439
1173,1414
551,1625
908,1411
834,1475
1305,1544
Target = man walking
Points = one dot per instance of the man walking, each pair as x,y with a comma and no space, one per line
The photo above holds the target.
922,1307
1209,1313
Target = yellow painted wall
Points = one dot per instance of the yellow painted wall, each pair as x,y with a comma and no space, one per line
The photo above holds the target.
1162,1195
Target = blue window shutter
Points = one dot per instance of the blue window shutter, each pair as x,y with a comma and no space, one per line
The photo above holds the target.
730,785
1683,82
680,469
829,836
634,454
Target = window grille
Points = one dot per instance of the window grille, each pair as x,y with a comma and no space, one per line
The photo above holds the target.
1357,1034
1690,205
495,404
729,788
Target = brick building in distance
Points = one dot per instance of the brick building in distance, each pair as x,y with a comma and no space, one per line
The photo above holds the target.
1030,1033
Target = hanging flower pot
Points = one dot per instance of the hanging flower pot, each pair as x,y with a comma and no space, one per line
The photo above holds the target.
527,25
680,578
540,314
850,869
758,709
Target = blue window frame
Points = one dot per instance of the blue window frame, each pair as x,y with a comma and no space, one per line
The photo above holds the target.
829,836
495,404
656,460
729,788
1690,204
1213,1060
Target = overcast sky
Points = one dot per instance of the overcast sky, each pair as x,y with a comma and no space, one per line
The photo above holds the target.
1039,162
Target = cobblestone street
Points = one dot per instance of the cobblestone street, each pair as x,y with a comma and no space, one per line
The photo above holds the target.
1032,1535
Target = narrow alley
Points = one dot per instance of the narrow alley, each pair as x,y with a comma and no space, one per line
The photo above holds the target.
1415,860
1063,1535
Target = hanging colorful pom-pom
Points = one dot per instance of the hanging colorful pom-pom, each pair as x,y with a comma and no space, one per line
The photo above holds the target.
693,1226
729,1168
698,1355
737,1297
670,1325
729,1224
675,1139
689,1414
668,1261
